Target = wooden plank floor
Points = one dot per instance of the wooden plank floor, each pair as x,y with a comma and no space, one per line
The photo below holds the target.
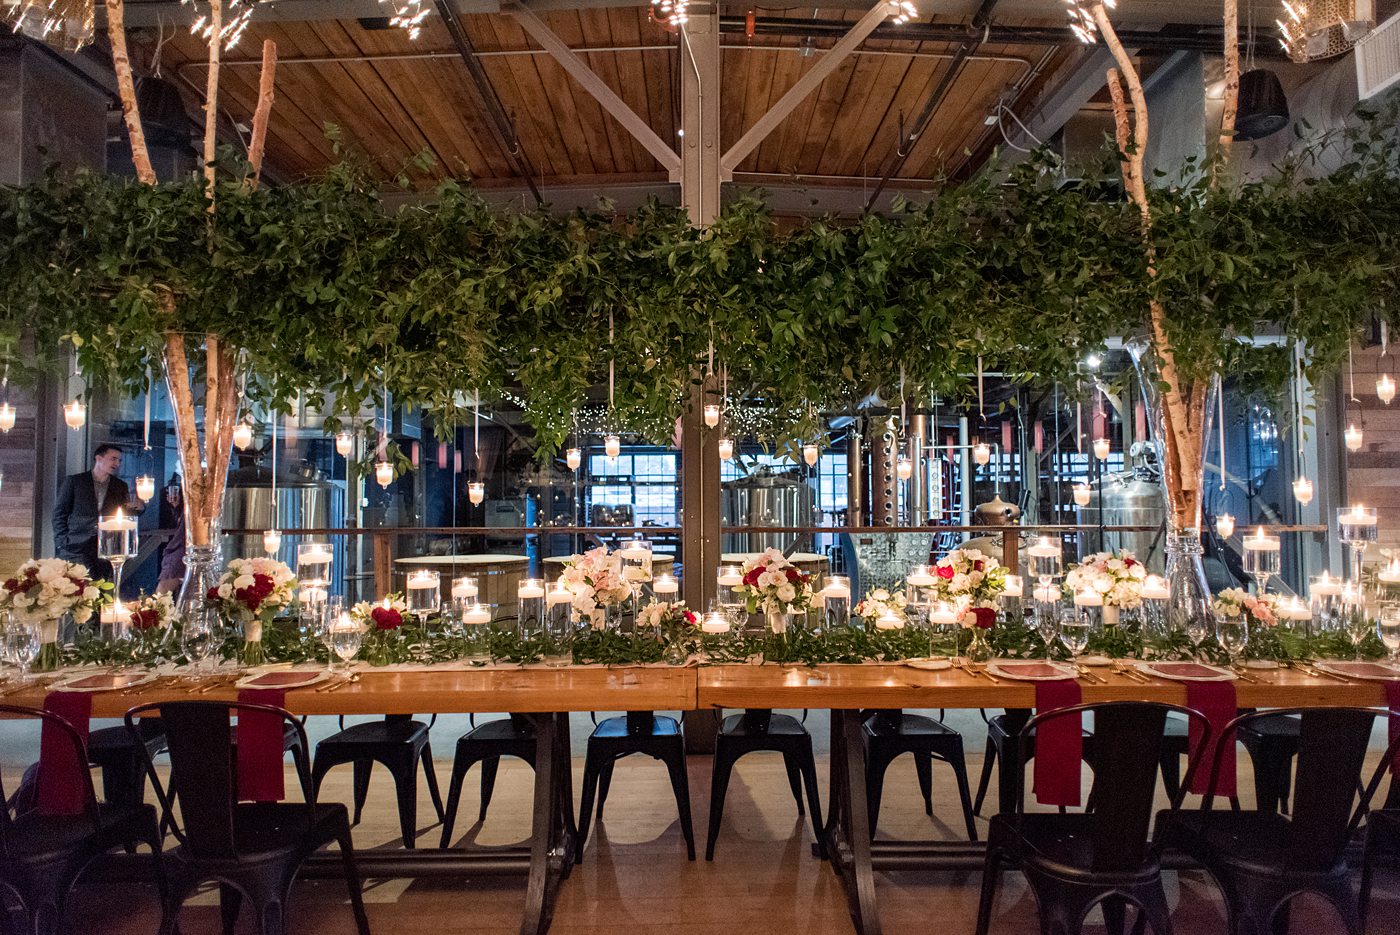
635,878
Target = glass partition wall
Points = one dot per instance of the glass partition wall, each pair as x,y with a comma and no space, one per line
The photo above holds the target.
881,495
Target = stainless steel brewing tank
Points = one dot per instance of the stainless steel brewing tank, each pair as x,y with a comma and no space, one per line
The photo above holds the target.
305,500
1128,499
766,497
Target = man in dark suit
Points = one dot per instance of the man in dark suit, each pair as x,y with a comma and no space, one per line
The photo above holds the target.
84,498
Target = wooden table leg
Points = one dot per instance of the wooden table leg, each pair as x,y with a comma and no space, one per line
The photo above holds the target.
548,827
849,823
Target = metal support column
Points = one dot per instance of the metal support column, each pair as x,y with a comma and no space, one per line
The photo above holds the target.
700,147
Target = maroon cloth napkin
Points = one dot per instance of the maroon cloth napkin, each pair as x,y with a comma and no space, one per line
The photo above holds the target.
1216,700
1059,744
260,747
1392,699
62,787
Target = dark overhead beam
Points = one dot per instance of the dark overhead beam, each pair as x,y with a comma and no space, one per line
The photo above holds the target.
502,130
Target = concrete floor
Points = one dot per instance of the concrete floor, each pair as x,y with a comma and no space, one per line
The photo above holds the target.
635,878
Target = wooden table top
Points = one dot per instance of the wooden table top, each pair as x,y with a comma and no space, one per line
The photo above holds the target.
580,688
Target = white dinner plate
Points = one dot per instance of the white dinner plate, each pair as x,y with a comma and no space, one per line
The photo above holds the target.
930,664
1187,671
1028,670
1374,671
284,679
104,682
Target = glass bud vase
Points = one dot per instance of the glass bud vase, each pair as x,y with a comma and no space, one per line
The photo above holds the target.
202,560
979,651
1188,602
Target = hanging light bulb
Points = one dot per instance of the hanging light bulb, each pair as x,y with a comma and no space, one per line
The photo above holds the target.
242,435
712,415
904,468
810,454
476,492
344,444
1303,491
383,473
1101,448
1225,525
1353,437
1082,494
612,446
75,414
7,417
1385,389
573,458
145,488
726,449
982,453
272,541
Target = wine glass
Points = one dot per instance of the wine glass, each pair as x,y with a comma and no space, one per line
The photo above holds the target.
1048,626
1075,629
1233,634
345,639
1388,629
22,641
197,639
331,612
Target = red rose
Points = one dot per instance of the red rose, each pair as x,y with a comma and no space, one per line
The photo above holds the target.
984,617
145,619
11,585
1129,562
691,618
386,618
212,595
751,578
945,572
977,565
793,574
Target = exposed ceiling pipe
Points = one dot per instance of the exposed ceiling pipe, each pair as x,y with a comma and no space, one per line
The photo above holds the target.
980,21
497,119
976,154
1176,37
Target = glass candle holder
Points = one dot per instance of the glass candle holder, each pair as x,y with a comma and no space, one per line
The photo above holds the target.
1045,559
665,587
530,594
836,599
559,625
1325,596
727,596
117,542
465,590
1357,526
1262,554
476,632
636,562
423,594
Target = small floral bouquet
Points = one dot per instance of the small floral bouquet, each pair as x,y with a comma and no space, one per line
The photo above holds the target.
388,614
595,578
879,603
674,624
971,581
42,591
1259,608
152,612
1116,576
776,586
251,592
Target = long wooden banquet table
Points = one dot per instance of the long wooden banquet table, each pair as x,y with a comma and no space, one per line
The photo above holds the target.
549,695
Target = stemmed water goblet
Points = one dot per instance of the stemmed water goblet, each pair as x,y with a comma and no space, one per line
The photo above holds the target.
1388,630
1075,629
22,644
1233,634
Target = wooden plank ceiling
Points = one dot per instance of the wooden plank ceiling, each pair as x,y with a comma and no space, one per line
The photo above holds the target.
392,99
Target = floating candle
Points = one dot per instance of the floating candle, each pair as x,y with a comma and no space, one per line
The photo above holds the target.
666,584
463,588
1014,586
714,622
1154,588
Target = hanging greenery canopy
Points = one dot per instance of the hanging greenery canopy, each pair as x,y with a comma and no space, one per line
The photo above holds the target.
326,292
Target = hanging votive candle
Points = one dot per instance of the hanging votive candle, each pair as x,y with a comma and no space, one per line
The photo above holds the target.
383,473
272,541
242,436
573,458
810,454
1385,388
612,446
1101,448
982,454
904,468
1083,493
7,417
344,444
726,449
476,492
75,414
1303,491
1225,525
1353,437
712,415
145,488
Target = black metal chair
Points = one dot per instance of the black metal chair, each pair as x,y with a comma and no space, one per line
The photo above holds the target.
1382,843
644,732
761,730
486,744
254,850
42,856
1262,859
118,755
890,734
397,742
1101,856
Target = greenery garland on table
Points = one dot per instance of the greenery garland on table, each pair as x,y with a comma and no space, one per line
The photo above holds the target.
285,642
326,292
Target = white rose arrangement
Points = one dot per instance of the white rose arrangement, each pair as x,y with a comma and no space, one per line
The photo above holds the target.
775,585
1116,576
250,592
879,602
43,590
596,581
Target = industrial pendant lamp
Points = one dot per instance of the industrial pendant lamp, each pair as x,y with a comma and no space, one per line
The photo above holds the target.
1263,107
